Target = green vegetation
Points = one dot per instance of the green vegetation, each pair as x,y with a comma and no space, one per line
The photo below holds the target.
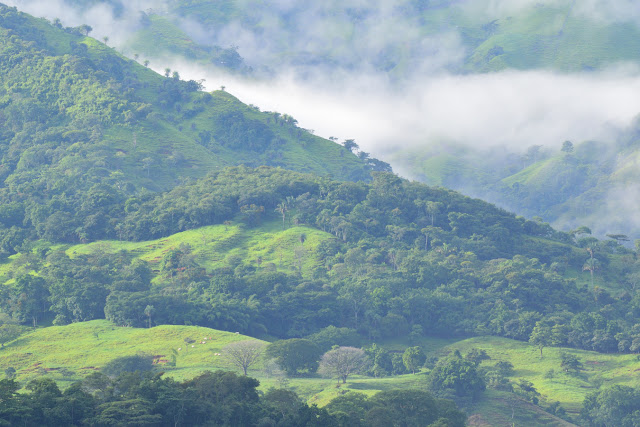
70,353
141,217
78,118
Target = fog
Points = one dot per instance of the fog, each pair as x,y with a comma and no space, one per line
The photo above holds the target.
513,109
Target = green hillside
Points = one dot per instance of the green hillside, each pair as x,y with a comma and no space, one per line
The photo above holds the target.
139,122
160,37
77,116
142,216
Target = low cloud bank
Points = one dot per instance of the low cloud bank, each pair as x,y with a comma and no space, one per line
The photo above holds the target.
512,109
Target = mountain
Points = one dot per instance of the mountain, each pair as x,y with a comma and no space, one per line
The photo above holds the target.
424,38
78,117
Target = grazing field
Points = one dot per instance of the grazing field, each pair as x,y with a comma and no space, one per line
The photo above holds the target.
69,353
215,246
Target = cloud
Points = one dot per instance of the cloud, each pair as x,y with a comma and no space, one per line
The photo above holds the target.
513,109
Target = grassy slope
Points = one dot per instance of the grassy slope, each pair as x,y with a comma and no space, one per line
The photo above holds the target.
214,244
159,139
84,347
569,389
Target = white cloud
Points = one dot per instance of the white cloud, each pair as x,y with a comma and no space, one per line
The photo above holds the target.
514,109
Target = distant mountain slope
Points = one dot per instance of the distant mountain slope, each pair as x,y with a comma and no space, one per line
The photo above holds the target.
465,36
595,184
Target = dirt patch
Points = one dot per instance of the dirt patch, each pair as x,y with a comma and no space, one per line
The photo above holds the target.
159,359
476,420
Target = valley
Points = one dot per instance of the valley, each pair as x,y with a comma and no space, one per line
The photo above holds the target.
152,229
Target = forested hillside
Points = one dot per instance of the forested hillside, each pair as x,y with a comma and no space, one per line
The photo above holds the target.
133,200
396,258
84,129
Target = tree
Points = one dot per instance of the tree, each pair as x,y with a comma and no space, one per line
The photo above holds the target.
527,389
407,407
433,209
583,229
29,298
413,358
591,265
570,362
328,337
567,147
146,164
458,375
149,310
85,29
541,335
243,354
146,63
10,373
294,355
477,356
282,209
105,39
614,406
136,363
350,145
342,362
9,332
167,72
618,237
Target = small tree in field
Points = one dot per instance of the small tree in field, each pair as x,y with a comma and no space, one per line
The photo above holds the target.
342,362
413,359
243,354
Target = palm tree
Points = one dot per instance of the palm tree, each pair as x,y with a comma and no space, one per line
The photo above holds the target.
591,264
282,209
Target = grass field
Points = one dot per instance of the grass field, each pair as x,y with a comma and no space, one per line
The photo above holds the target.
68,353
214,245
